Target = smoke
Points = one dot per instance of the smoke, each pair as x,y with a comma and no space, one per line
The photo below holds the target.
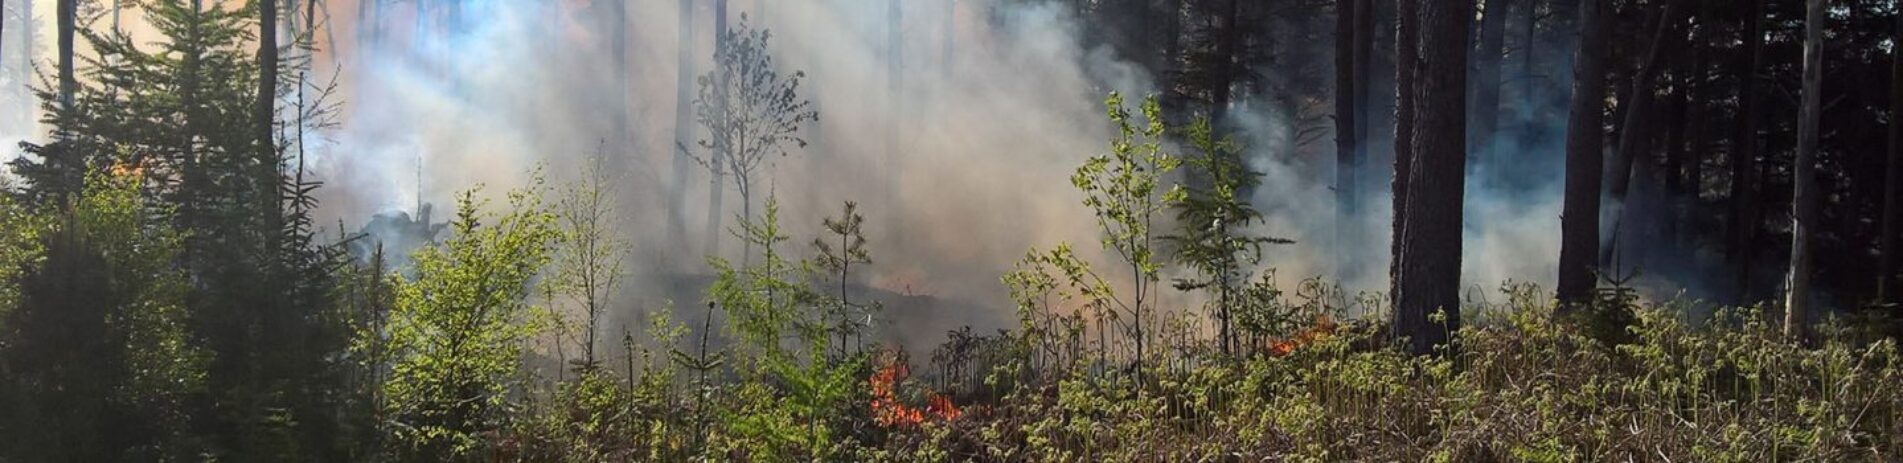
960,163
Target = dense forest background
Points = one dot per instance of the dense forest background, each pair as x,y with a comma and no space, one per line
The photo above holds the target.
1096,230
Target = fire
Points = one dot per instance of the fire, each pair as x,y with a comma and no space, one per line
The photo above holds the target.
128,169
1323,327
888,411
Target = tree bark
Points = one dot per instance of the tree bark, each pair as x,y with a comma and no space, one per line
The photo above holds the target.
1697,88
1585,142
1804,200
1744,153
267,74
1406,65
1892,191
1431,239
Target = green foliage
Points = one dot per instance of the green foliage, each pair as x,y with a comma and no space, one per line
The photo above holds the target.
456,332
98,358
1210,220
851,320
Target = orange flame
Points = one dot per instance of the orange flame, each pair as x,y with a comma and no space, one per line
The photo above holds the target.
1323,328
888,411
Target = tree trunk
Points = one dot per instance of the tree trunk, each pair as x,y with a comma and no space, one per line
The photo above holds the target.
1347,109
1696,139
1406,65
1585,142
1431,240
267,73
1635,129
1744,153
1484,115
683,125
716,192
1804,200
1892,191
1226,48
68,82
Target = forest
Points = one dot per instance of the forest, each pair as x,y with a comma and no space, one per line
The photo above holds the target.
951,230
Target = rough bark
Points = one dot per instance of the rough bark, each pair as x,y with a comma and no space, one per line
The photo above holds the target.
1892,191
1804,200
1585,140
1406,65
1431,239
1744,154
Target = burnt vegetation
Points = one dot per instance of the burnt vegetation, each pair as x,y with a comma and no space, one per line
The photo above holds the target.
1724,174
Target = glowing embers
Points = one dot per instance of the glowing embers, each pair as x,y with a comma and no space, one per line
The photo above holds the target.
889,411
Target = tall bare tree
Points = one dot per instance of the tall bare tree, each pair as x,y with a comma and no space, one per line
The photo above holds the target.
1893,180
1406,64
267,73
1347,108
1427,299
67,12
1804,200
683,123
1484,114
752,113
1742,232
1585,139
1636,128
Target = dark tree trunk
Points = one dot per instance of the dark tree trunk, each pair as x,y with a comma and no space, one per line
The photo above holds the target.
1406,65
1804,200
267,73
1226,48
683,124
1892,191
68,82
1744,153
1484,115
1347,110
1585,141
1696,88
1431,239
1635,129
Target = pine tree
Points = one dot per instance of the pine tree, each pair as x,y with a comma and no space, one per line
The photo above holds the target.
1427,298
1585,141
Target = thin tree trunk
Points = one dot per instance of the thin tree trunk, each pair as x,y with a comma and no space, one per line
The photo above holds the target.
1484,115
1892,191
715,191
1226,48
1427,308
68,82
1804,175
1406,65
1635,129
683,124
1347,109
1585,142
267,73
1744,152
1696,89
